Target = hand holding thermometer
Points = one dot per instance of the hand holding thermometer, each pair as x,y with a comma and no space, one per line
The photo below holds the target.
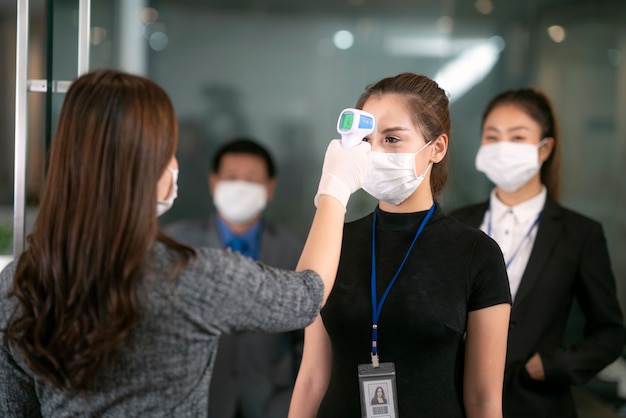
353,125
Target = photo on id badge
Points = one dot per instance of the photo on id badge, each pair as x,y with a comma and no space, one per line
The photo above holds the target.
380,404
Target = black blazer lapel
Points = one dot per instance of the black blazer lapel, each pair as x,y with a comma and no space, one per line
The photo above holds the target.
547,235
471,215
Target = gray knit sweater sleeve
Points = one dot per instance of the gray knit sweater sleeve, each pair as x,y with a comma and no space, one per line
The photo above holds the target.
165,369
246,296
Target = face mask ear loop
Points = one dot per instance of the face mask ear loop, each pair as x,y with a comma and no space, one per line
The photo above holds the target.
417,152
428,167
541,143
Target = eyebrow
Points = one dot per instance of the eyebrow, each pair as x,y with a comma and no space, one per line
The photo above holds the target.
515,128
395,128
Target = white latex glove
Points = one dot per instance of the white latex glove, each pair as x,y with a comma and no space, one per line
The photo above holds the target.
343,171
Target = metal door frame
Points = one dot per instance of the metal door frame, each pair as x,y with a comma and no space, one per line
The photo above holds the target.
22,87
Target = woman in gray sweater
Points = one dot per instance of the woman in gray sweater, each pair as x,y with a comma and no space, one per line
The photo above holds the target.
104,315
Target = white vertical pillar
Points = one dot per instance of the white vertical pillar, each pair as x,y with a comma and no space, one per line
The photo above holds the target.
21,110
132,44
84,31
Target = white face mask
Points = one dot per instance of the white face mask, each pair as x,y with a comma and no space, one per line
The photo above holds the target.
239,201
391,176
165,205
509,165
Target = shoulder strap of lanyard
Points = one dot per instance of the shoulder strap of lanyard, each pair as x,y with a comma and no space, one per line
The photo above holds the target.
377,306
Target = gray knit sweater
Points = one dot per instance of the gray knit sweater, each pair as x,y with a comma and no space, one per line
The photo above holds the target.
165,369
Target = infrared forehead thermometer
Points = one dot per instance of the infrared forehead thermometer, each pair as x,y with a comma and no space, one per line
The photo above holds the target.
353,125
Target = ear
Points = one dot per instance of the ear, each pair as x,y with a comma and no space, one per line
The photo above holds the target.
439,148
546,149
271,188
212,183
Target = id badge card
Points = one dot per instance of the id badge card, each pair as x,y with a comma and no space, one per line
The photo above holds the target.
378,391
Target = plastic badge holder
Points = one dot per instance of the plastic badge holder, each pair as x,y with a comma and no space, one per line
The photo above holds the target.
372,379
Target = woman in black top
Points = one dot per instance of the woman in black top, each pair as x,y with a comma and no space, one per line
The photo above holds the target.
450,280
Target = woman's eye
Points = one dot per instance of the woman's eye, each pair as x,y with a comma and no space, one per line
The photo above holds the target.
366,139
391,139
518,138
490,138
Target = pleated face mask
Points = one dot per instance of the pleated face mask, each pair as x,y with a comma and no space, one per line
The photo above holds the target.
240,201
509,165
391,176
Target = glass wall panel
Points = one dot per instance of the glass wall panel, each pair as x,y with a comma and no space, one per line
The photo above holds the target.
53,41
585,74
36,106
282,71
8,27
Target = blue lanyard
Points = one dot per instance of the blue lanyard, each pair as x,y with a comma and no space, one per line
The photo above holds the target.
519,246
378,306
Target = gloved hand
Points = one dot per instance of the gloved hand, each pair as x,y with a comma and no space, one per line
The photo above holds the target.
343,171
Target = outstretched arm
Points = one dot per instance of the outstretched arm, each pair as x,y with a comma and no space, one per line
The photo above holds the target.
343,173
323,244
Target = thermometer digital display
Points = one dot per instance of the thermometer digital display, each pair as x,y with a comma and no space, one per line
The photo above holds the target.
353,125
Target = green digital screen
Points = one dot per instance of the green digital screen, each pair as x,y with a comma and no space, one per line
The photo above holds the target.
346,121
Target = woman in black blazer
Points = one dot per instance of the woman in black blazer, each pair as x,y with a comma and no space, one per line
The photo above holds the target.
553,256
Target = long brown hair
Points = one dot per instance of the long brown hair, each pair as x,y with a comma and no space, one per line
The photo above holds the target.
96,226
429,105
537,105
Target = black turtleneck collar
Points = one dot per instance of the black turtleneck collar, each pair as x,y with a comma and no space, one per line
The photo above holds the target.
404,221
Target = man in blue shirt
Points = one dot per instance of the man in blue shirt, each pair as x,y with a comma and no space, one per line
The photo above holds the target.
254,374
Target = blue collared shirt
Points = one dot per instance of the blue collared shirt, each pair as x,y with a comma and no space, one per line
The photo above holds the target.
252,237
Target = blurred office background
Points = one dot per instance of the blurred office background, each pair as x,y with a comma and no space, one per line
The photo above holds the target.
282,70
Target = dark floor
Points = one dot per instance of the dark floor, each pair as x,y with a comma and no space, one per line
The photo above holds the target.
598,400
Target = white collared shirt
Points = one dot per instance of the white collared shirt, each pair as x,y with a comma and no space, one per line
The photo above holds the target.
514,228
